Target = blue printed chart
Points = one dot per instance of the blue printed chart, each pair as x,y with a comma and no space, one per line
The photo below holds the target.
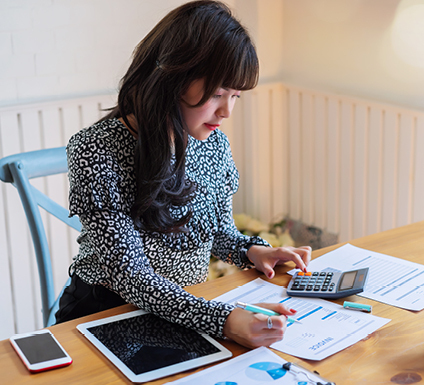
265,371
226,383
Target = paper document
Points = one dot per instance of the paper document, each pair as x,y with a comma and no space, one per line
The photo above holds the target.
391,280
325,328
257,367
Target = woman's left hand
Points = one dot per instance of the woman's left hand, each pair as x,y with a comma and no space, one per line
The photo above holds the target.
266,258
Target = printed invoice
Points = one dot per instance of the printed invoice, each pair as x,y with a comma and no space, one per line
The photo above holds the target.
325,328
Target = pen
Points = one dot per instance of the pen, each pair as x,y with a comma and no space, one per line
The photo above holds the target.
257,309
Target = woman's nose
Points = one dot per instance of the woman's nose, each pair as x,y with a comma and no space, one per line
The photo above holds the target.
224,110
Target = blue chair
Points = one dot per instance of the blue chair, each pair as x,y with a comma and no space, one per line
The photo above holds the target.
18,169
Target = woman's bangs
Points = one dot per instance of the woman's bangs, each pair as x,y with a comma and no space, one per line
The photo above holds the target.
241,70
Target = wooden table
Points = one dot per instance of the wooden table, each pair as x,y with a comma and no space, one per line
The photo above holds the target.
392,354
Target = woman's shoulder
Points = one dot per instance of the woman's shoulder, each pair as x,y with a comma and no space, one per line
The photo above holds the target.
101,134
107,139
101,165
105,148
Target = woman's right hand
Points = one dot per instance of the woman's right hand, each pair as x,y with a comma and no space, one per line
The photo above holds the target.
251,329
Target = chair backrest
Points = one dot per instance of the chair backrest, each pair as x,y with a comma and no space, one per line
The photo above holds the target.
18,169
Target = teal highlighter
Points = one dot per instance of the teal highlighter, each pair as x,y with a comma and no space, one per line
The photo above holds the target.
357,306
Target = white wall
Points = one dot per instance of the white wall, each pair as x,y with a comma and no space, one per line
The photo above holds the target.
372,49
53,49
264,21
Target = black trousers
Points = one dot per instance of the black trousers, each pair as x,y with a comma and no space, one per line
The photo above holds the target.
80,299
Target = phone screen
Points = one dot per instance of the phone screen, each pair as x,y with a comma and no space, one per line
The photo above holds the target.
40,348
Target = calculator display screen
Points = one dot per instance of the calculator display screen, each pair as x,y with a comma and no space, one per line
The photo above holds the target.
347,280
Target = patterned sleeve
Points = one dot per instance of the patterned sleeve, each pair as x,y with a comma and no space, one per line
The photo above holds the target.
119,262
229,243
126,271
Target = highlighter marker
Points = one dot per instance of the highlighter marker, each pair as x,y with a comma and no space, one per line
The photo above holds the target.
357,306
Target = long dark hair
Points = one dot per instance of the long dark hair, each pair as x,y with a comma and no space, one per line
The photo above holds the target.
198,40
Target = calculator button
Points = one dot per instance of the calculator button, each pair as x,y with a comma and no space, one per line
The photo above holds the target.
301,273
331,288
332,284
308,273
302,287
317,288
309,288
315,273
324,288
322,274
330,274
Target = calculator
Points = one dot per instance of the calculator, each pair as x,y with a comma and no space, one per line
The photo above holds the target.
333,285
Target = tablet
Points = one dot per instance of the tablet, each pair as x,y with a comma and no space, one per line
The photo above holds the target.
145,347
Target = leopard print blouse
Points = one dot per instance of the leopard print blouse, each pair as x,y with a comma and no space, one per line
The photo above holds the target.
150,269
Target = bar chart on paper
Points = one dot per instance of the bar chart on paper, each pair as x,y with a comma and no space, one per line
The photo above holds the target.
325,328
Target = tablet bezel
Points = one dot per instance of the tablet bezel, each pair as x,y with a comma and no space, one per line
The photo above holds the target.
157,373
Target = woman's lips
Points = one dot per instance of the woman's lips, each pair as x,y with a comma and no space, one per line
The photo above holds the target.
212,126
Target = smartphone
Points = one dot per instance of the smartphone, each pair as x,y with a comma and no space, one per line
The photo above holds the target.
40,351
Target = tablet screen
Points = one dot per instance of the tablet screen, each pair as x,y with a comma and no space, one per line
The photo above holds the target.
145,346
147,342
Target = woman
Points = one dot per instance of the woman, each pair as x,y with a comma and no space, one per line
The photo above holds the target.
153,181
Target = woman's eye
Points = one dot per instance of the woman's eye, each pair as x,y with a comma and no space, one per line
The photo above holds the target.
217,96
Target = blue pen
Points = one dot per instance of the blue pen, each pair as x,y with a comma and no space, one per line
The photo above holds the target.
257,309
